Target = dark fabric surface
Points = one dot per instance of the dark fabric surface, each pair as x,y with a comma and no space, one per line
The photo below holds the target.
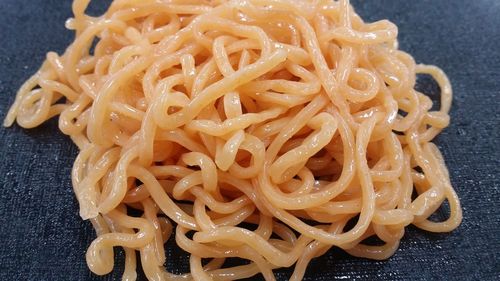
43,238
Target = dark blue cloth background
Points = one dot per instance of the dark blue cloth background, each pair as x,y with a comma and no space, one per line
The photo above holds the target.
43,238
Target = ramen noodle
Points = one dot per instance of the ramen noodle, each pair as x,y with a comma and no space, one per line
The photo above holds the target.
267,130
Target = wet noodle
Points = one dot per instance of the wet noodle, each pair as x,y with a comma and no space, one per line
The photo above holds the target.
212,116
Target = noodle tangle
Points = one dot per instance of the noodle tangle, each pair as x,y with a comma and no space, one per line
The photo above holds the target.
208,117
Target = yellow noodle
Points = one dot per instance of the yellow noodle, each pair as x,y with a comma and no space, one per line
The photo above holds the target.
258,112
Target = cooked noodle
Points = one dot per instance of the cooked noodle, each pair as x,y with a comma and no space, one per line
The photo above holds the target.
292,116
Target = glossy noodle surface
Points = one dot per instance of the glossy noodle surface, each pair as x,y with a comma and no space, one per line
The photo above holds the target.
296,117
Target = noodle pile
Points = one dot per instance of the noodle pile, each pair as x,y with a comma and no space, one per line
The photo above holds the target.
268,130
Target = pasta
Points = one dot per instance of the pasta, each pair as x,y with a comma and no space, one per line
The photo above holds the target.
267,130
